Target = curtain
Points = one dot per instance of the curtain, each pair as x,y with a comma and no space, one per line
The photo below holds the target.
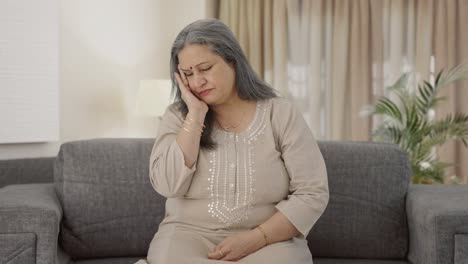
261,29
449,38
295,45
334,57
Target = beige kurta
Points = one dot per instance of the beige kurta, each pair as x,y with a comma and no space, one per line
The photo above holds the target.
273,165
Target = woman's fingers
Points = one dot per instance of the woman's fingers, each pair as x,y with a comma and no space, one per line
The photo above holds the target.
227,256
214,255
219,253
185,81
180,82
183,77
183,88
192,101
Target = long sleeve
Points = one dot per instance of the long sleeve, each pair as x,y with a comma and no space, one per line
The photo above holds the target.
168,173
304,163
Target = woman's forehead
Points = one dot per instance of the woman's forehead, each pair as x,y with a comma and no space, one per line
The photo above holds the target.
192,55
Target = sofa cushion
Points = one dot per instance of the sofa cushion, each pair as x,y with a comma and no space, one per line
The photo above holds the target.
18,248
357,261
30,209
365,217
110,208
461,248
109,261
28,170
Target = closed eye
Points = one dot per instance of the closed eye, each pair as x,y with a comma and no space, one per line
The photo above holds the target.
191,73
206,69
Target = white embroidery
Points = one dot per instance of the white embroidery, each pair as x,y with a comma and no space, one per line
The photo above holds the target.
232,182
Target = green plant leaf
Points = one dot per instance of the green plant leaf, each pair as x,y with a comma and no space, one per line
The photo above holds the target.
406,123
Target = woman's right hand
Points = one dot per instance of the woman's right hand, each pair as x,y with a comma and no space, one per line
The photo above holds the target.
195,105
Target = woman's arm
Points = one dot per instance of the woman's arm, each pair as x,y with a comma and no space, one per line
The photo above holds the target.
175,151
276,229
308,182
168,173
189,137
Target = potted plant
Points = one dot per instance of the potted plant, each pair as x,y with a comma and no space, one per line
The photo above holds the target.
408,119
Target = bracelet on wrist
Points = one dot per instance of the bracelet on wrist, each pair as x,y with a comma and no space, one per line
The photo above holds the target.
191,131
265,236
199,128
194,121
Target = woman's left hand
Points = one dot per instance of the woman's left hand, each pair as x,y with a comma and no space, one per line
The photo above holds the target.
238,246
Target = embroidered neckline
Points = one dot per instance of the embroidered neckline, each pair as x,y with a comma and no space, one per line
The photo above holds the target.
254,125
232,175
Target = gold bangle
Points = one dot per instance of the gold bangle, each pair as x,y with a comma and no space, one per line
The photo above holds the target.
267,240
190,131
190,124
193,120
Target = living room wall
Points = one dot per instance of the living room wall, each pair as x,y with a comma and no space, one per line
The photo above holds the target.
106,48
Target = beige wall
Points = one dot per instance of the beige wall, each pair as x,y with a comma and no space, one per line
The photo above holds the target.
106,47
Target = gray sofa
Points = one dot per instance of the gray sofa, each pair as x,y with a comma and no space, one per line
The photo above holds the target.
30,170
101,209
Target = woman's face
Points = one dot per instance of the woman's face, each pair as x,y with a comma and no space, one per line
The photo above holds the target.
210,78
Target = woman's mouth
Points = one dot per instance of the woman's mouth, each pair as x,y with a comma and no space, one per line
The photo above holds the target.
205,92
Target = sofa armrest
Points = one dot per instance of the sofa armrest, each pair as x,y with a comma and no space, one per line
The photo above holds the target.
30,217
438,223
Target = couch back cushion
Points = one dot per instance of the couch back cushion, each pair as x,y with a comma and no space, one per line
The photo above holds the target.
109,206
365,217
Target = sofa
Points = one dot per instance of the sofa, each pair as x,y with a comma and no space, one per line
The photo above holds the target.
100,208
26,170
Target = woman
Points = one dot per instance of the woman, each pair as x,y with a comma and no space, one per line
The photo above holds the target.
243,175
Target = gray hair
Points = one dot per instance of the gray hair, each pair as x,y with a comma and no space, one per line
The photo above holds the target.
219,39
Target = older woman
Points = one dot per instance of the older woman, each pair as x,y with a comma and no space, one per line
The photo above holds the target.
242,172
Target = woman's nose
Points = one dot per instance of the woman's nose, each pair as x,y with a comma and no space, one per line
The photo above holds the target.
198,81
